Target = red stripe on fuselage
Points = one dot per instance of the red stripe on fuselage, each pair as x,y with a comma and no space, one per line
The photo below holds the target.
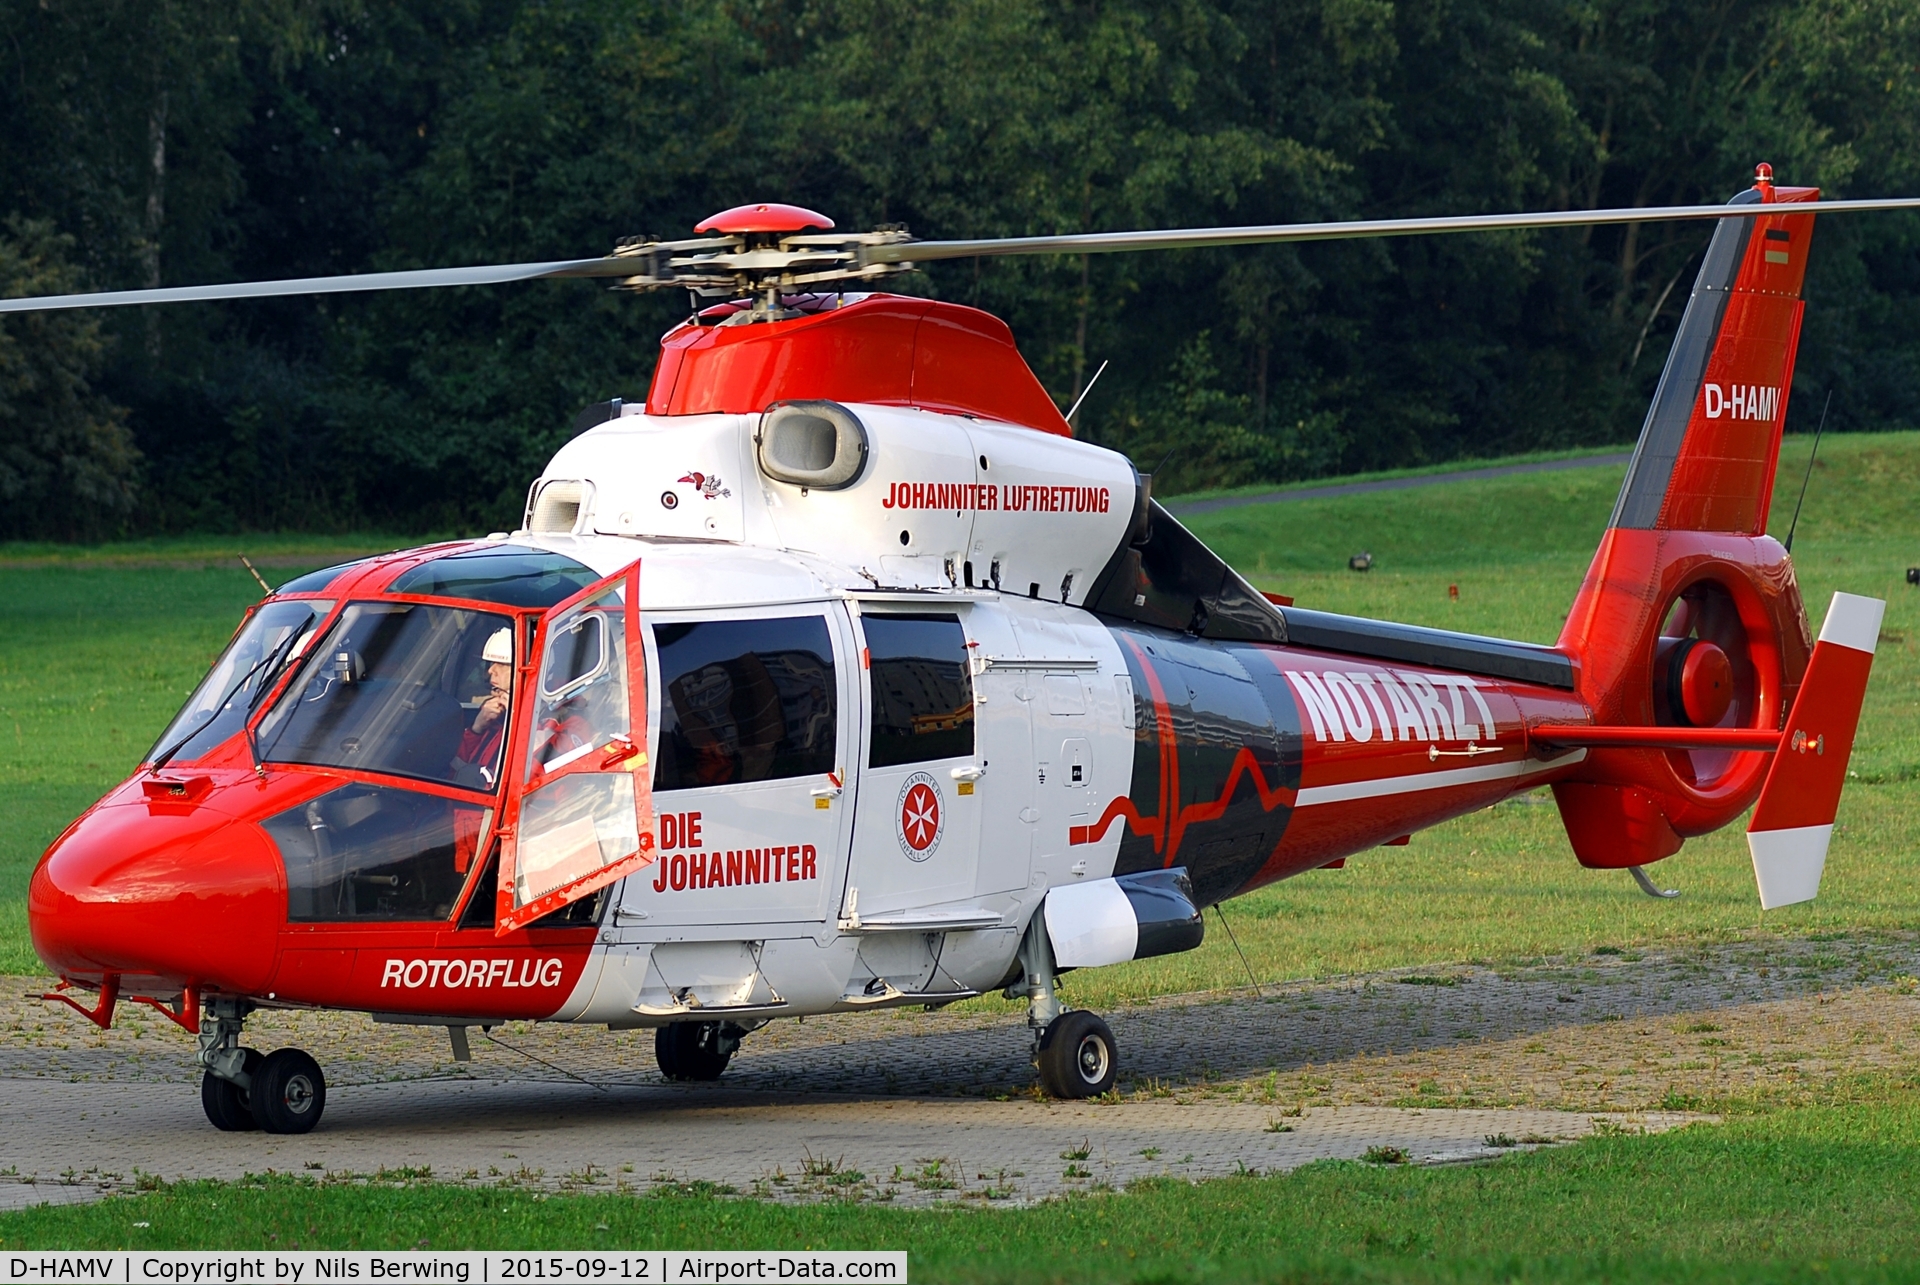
1169,761
1167,833
1244,763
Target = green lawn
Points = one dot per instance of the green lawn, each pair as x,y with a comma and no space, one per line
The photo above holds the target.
1820,1193
97,651
95,656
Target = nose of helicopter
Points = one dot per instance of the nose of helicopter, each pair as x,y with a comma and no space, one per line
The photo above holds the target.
175,894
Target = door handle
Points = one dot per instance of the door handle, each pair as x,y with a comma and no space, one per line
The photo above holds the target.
619,750
831,790
968,773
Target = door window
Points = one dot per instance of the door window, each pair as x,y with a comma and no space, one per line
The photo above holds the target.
922,693
584,816
744,700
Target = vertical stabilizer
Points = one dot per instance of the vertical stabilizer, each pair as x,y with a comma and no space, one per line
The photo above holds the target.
1686,582
1706,457
1793,821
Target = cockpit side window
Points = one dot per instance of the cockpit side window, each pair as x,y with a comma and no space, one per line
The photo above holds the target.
377,852
400,688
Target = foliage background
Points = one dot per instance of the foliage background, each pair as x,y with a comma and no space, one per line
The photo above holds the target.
173,141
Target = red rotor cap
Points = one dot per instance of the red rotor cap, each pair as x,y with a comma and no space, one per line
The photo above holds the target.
766,217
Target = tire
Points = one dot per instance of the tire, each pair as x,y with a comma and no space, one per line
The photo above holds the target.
289,1092
1077,1058
691,1051
226,1103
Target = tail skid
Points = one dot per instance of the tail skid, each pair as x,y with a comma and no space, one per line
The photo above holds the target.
1793,821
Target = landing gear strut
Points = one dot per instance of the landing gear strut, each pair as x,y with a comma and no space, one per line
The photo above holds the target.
1072,1049
240,1089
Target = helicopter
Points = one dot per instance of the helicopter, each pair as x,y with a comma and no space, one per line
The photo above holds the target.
840,675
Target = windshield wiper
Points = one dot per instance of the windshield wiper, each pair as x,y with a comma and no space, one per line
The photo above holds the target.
161,759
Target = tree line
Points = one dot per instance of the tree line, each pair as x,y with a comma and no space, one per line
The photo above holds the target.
158,142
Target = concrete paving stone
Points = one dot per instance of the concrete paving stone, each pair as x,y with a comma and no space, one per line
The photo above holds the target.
931,1106
92,1139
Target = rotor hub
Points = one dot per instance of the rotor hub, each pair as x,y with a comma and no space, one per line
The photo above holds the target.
760,252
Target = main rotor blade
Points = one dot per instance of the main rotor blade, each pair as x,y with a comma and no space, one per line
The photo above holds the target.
1203,238
477,276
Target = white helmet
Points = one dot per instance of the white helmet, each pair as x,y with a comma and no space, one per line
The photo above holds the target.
499,648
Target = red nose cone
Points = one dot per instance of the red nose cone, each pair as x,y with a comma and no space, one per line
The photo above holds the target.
163,894
770,217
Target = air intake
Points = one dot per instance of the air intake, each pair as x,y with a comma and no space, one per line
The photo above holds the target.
557,507
821,445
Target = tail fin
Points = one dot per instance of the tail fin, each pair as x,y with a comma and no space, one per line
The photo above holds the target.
1706,457
1793,821
1689,615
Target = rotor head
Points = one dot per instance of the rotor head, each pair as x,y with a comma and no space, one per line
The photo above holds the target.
761,252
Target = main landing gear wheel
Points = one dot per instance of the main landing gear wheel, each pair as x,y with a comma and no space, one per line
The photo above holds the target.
289,1093
1076,1057
226,1103
696,1050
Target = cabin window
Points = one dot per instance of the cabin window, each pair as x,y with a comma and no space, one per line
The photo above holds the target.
377,852
399,688
922,692
744,700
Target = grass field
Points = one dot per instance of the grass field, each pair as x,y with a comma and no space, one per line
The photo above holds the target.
97,649
1821,1193
96,653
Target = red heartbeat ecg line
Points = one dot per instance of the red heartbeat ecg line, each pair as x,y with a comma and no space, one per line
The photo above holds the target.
1167,837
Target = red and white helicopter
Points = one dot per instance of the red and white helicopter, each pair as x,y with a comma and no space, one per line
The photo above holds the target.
840,676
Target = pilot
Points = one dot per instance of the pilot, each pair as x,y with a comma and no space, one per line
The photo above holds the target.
479,757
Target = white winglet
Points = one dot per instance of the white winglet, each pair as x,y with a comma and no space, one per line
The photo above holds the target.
1788,863
1091,924
1853,621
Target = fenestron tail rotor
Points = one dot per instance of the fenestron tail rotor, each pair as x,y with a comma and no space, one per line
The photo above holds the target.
767,249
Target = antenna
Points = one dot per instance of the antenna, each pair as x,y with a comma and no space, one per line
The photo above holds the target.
1089,388
258,579
1794,525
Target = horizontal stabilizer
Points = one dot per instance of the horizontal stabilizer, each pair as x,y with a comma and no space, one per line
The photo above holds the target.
1793,821
1656,738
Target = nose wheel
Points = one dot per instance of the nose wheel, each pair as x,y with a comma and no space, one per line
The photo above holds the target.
280,1092
228,1107
289,1092
286,1092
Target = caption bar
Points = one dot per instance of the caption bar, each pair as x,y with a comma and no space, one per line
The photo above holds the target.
452,1267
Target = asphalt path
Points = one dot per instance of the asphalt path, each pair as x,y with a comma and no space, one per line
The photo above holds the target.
1179,509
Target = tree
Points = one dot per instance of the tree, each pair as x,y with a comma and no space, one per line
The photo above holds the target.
67,461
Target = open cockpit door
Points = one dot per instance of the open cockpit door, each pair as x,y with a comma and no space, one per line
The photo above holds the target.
580,814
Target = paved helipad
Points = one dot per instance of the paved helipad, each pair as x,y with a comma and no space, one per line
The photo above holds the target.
570,1136
917,1107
